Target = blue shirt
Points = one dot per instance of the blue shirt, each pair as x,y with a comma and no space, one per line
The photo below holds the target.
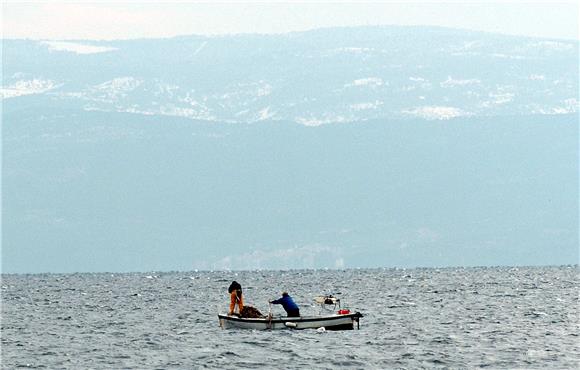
287,302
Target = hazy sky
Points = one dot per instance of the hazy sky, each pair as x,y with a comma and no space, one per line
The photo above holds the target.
143,19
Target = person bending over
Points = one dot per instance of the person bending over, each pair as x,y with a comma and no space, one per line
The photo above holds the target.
289,305
236,298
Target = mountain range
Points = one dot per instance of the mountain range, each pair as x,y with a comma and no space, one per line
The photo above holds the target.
312,78
338,148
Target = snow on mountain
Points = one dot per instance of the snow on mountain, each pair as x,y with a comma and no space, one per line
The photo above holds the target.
564,107
27,87
365,106
312,78
451,82
436,112
116,89
76,48
369,81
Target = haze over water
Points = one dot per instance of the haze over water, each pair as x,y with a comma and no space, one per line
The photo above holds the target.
455,317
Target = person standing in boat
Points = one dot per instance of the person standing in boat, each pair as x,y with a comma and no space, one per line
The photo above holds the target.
289,305
236,298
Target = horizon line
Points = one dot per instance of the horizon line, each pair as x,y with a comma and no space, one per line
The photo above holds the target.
198,271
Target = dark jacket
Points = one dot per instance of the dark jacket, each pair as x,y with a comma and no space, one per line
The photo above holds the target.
235,286
287,302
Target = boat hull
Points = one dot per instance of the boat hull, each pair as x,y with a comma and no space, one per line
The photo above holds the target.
330,322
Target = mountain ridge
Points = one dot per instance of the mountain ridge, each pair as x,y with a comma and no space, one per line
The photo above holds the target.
312,78
319,29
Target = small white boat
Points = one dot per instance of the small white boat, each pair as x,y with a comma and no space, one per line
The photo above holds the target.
342,320
329,322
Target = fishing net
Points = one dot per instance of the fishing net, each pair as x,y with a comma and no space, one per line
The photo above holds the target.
250,312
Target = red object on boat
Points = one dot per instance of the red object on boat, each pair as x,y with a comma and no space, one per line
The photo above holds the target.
343,312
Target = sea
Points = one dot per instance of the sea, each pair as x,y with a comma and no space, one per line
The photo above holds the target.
492,317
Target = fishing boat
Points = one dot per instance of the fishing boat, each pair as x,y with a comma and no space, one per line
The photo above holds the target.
337,320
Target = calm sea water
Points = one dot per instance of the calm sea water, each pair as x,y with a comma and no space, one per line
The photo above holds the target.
458,318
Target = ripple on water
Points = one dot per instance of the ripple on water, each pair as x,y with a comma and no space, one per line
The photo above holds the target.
480,317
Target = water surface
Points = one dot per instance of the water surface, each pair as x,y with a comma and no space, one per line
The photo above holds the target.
453,317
